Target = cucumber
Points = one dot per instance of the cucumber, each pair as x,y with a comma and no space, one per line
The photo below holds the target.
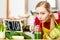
26,36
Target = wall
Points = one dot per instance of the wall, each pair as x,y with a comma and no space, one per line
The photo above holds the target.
30,7
58,4
32,3
2,8
16,8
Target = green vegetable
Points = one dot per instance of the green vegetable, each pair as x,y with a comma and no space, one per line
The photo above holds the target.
55,33
26,36
58,26
13,33
48,37
5,27
8,35
2,27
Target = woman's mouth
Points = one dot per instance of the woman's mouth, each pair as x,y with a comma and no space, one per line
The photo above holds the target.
40,21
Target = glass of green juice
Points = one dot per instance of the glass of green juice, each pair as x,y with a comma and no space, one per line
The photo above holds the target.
37,35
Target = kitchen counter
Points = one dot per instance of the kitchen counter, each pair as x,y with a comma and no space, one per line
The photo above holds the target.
28,39
28,33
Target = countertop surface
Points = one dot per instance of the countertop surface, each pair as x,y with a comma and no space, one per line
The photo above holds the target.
29,39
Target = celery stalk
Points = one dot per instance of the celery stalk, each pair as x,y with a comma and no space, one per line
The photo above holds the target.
5,28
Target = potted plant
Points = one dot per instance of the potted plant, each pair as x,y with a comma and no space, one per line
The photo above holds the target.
2,30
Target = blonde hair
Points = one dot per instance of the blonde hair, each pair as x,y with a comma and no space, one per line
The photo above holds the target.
47,7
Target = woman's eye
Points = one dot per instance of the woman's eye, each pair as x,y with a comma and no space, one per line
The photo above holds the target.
37,13
42,13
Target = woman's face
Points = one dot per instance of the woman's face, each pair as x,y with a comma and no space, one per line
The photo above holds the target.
42,14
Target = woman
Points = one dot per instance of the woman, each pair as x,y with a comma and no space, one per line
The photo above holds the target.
45,19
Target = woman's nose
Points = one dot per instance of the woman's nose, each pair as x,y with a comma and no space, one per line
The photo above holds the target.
40,17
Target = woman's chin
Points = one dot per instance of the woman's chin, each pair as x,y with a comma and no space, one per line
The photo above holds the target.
43,21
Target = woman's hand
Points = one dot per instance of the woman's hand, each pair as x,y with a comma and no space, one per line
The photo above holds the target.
37,28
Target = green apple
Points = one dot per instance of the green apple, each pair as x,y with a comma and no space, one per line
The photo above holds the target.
58,26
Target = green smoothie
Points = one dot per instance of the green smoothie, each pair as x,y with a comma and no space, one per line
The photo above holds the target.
37,35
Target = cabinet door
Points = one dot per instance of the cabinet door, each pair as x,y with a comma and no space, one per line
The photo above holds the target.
16,8
2,8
